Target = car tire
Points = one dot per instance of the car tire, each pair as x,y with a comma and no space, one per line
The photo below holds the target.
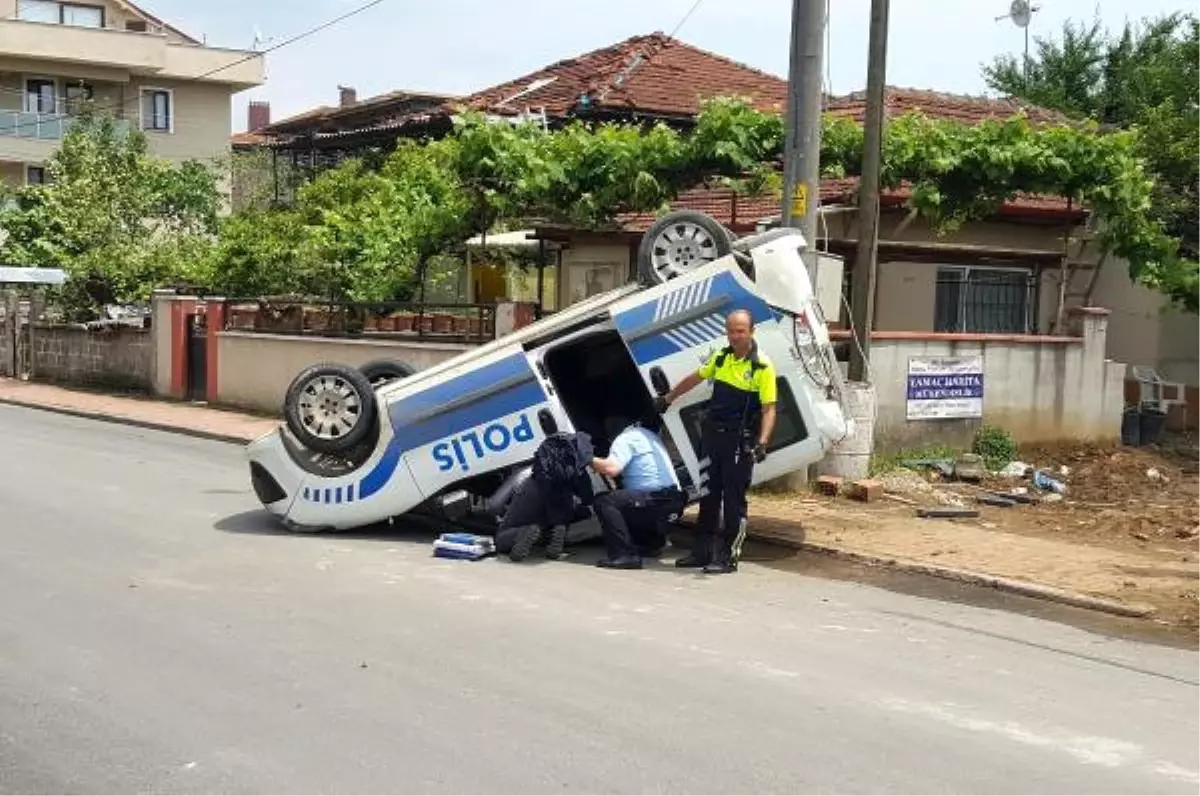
680,241
330,408
383,371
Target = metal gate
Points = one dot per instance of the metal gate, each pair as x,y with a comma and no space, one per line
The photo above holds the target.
15,341
197,358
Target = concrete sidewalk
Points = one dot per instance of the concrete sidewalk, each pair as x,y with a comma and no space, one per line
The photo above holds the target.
195,420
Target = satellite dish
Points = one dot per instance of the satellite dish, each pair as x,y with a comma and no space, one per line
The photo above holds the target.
1020,12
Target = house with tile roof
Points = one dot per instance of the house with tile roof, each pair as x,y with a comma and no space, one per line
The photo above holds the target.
57,56
1007,275
643,78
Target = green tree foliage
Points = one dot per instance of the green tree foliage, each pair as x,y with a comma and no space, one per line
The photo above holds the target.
119,221
1142,79
353,233
378,226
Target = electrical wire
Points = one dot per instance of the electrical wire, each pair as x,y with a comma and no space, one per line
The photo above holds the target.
854,333
257,54
679,25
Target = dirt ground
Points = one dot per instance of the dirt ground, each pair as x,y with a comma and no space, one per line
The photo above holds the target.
1126,528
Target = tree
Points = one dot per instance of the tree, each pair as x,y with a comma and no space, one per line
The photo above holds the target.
117,220
1145,80
370,231
354,233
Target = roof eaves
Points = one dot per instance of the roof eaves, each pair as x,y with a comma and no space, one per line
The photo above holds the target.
142,12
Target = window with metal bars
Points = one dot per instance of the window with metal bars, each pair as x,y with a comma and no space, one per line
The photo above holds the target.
984,300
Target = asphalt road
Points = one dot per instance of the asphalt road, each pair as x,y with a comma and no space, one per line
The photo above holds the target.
157,635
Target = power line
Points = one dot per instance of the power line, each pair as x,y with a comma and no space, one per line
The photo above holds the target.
209,73
695,5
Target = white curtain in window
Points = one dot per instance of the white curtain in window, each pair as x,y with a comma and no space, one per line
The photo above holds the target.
39,96
37,10
156,110
84,16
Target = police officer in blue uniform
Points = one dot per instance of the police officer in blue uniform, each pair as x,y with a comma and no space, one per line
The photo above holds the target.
736,430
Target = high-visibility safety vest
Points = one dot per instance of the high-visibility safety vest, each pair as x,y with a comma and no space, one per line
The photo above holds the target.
740,386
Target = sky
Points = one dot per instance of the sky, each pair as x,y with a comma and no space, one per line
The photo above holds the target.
460,46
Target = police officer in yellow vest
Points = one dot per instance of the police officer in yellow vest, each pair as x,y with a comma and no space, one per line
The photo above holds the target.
737,428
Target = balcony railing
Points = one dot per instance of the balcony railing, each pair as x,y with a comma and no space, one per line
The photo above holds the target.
42,126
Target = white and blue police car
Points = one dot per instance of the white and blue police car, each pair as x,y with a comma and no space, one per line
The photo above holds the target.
361,446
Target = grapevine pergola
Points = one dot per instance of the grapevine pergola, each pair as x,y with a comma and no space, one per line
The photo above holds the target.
955,173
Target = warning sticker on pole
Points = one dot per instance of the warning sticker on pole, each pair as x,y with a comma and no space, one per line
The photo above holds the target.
942,388
800,199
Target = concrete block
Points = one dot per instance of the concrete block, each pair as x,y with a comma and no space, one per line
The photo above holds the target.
866,489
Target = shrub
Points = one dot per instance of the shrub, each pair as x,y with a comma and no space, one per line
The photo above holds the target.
995,445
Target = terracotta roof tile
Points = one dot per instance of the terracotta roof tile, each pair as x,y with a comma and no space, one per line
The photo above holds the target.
740,212
653,74
249,139
937,105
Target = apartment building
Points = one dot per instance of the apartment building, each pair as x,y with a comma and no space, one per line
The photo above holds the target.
54,56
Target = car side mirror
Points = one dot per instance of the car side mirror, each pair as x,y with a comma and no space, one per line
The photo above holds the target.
659,381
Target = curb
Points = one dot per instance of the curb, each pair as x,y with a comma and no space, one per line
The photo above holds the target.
212,436
1024,588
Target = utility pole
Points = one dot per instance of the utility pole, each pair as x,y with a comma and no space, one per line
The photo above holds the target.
862,304
802,149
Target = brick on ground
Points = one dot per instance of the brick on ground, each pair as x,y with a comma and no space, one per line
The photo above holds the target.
829,485
867,490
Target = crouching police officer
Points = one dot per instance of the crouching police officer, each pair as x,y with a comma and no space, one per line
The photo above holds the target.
737,428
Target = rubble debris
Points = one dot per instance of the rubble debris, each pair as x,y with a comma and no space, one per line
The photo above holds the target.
996,500
905,482
1015,470
947,513
969,467
1015,496
1045,482
943,467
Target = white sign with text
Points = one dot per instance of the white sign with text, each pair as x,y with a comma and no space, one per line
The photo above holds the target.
944,388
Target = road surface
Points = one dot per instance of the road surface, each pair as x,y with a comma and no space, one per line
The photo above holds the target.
158,635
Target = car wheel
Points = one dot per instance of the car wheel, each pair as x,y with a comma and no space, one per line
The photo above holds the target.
679,242
382,371
330,408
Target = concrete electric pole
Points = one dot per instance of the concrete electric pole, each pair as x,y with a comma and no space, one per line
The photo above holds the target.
862,304
802,149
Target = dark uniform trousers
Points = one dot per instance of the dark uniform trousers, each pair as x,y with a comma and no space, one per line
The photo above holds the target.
631,519
730,466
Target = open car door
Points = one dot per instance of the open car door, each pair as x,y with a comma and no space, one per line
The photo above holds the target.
673,328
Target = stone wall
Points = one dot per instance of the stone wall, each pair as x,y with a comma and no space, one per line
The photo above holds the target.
1039,388
253,371
117,357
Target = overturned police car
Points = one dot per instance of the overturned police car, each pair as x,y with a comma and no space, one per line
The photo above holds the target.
360,446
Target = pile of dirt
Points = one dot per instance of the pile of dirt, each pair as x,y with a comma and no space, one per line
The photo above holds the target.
1118,496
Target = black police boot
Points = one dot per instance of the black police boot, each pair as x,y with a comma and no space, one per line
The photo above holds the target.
624,562
523,545
691,561
556,547
720,568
